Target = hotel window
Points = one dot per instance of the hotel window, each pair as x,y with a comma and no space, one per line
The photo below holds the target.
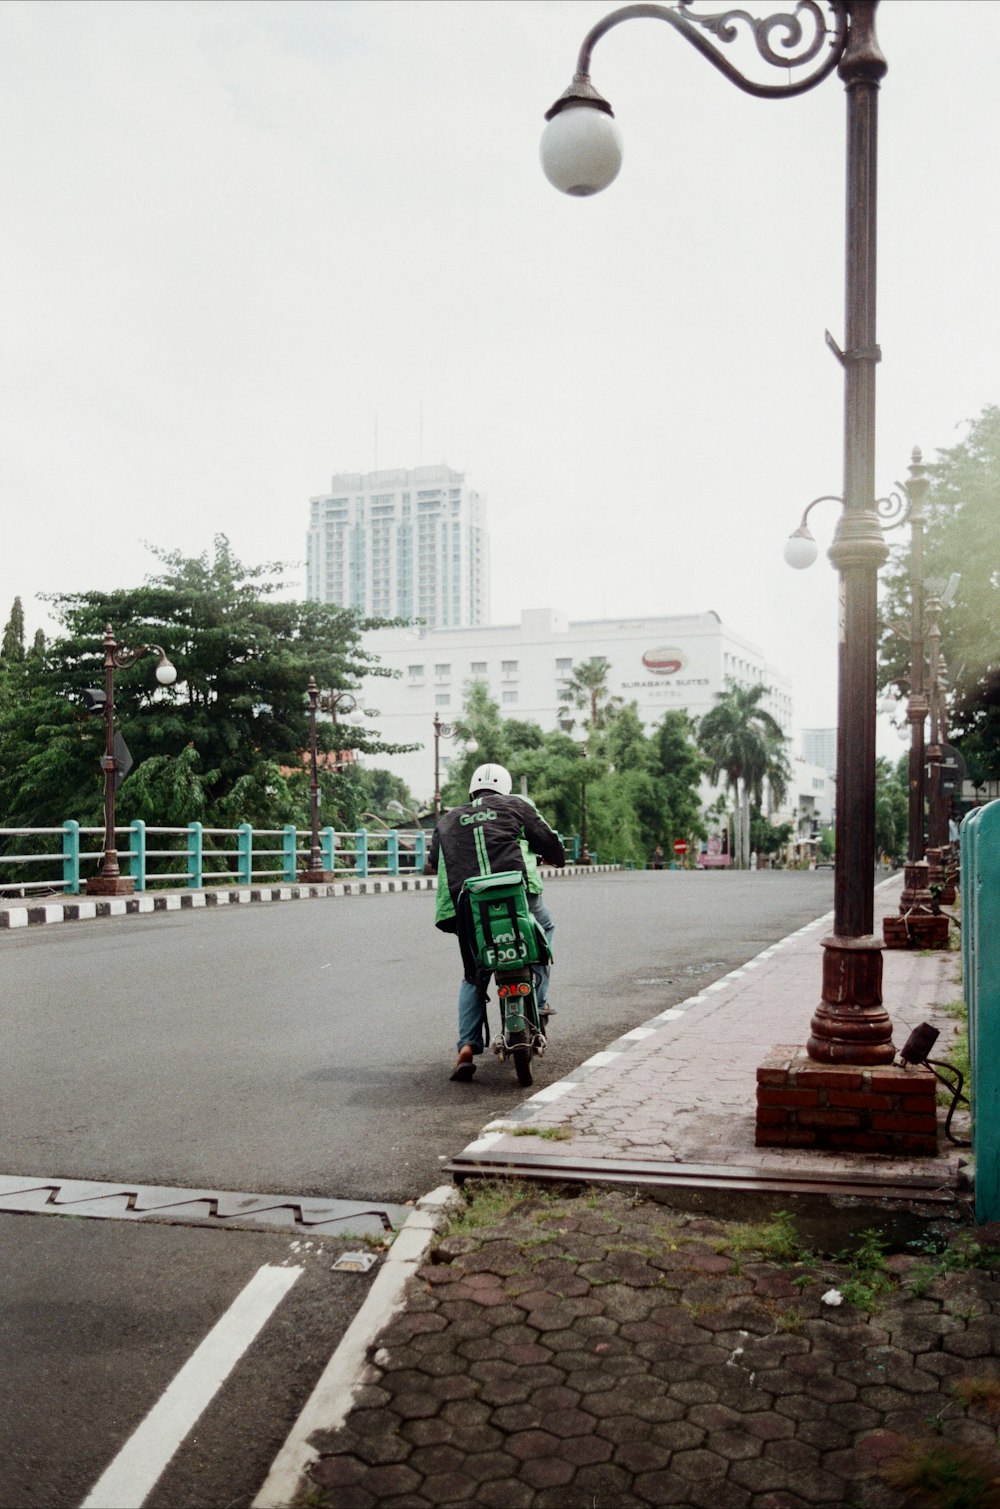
508,667
508,697
478,668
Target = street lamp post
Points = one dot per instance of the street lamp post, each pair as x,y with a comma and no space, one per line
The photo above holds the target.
338,702
109,881
937,814
581,154
441,731
314,872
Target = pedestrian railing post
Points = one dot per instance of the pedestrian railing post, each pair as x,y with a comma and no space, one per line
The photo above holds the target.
420,851
290,846
195,856
328,845
361,853
137,853
244,854
392,851
71,857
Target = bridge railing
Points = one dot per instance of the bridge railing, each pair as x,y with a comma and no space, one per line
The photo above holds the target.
980,881
195,856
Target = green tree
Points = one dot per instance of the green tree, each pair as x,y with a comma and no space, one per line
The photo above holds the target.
625,791
12,648
767,837
586,689
745,744
963,526
679,766
891,807
243,654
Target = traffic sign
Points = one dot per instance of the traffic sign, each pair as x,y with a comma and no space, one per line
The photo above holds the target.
680,846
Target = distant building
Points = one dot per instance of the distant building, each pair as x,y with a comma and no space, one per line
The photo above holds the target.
401,544
819,746
659,663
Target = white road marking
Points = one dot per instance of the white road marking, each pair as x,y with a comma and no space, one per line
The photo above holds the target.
127,1482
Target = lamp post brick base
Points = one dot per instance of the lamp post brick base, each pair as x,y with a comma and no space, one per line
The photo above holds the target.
839,1108
850,1025
316,877
110,885
916,894
919,930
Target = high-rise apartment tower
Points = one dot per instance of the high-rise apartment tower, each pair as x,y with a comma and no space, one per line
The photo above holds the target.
401,544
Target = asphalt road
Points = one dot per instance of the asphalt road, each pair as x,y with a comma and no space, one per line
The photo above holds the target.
305,1047
299,1049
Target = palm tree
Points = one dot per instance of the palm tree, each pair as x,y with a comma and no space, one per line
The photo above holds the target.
586,688
745,743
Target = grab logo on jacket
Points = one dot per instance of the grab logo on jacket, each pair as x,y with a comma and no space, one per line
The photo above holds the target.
485,815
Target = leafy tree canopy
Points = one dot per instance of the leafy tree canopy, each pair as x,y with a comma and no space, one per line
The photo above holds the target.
225,741
963,528
636,790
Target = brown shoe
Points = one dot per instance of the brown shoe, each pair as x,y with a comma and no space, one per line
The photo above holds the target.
464,1066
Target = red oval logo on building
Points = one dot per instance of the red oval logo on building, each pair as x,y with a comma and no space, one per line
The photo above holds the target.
663,661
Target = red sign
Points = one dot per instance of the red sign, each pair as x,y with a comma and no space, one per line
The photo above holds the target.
680,846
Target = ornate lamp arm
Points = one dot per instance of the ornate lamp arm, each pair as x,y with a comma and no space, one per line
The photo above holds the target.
781,41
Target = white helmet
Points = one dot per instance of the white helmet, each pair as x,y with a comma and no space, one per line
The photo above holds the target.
491,778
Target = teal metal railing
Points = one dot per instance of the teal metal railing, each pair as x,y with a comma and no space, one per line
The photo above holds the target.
980,882
196,856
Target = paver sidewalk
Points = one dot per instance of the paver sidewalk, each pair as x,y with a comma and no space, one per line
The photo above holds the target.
603,1352
681,1089
588,1347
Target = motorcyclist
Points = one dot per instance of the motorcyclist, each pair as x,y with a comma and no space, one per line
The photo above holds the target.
482,837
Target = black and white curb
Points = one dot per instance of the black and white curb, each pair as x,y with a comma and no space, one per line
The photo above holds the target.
330,1401
82,909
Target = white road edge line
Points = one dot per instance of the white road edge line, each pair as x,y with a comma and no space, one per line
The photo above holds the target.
129,1479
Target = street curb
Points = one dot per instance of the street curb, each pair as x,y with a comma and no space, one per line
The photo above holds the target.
84,910
330,1401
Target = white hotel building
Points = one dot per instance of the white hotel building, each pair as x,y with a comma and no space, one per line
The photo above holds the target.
659,663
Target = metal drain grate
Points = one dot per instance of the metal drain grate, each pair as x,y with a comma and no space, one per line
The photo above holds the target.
199,1207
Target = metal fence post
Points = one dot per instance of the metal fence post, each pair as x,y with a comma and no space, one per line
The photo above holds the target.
195,852
290,845
361,854
392,851
327,846
244,854
137,853
419,851
71,857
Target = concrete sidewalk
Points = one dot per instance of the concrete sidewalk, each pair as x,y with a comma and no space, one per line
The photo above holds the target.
607,1334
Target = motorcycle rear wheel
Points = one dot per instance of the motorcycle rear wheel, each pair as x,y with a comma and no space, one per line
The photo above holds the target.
520,1049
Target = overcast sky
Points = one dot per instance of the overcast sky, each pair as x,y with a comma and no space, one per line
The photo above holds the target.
250,244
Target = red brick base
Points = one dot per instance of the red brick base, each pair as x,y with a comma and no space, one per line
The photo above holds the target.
885,1109
916,930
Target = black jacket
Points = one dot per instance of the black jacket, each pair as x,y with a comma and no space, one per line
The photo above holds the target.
484,837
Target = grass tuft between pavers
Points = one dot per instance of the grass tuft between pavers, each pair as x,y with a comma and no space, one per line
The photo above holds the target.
946,1475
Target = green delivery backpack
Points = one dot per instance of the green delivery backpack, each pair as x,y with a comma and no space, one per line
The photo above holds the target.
504,933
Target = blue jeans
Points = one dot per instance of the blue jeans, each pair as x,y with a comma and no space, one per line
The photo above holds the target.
470,1015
